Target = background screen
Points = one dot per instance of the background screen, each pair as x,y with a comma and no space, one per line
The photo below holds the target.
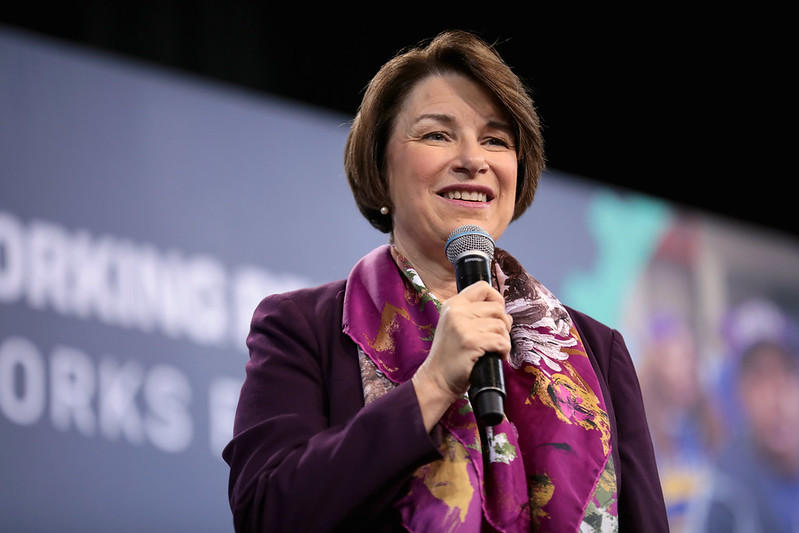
144,214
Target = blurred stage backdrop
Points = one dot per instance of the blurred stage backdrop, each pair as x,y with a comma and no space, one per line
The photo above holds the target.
143,215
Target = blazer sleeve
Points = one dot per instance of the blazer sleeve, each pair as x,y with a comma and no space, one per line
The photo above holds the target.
291,469
641,504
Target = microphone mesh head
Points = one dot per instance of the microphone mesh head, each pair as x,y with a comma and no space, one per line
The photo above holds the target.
468,238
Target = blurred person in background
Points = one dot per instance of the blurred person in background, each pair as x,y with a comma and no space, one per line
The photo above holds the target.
755,484
684,424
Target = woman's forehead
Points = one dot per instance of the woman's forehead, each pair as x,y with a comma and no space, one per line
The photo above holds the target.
446,98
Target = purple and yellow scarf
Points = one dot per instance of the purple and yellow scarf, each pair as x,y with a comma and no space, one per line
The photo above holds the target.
549,463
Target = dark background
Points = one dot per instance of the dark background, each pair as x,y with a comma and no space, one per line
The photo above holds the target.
685,105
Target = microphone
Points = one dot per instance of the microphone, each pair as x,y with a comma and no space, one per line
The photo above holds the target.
470,249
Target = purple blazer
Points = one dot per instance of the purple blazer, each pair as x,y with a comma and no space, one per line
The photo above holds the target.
306,454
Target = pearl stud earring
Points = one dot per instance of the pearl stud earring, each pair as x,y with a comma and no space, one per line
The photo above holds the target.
384,210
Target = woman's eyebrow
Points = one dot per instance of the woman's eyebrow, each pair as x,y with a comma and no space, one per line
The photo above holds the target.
500,125
449,120
439,117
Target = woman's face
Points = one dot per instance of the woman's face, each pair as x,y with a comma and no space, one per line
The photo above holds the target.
451,160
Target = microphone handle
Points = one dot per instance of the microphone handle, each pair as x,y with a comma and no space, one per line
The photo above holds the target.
487,390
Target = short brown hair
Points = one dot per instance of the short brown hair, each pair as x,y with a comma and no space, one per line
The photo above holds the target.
451,51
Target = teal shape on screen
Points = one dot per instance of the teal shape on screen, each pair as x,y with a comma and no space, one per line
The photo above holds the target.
626,230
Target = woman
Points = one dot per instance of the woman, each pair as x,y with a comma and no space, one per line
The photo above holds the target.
353,414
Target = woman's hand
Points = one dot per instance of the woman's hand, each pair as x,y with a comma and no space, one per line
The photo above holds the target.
472,323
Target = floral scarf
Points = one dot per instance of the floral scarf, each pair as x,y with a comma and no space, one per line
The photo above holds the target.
549,465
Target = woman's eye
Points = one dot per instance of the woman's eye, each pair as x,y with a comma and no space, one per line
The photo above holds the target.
496,141
435,136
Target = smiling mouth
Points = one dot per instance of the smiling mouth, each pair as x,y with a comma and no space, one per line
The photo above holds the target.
468,196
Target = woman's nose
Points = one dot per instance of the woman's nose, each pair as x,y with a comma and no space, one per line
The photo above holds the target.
471,158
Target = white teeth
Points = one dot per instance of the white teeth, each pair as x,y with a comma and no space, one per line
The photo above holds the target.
472,196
